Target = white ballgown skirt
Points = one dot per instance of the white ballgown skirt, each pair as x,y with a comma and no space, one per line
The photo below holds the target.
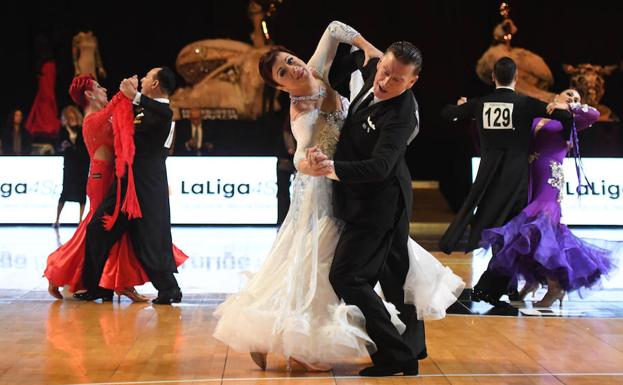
289,307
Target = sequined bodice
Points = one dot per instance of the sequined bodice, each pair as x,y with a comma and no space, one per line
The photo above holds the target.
97,132
97,127
327,132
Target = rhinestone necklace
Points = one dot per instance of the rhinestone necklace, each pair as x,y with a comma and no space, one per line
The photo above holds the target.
320,94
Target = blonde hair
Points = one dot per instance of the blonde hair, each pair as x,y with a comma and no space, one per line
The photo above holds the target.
71,109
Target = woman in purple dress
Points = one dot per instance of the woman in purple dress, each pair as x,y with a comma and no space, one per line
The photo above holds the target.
534,245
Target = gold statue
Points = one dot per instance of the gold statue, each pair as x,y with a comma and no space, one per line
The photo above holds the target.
86,55
589,80
535,77
223,75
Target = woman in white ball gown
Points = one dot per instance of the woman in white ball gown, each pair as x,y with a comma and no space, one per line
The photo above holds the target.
289,307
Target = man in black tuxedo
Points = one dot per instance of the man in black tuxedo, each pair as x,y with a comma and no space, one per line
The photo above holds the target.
372,195
500,191
150,234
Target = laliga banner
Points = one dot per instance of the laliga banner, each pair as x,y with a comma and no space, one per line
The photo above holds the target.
598,202
203,190
223,190
29,190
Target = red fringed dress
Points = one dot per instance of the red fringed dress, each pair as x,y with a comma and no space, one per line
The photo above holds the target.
122,269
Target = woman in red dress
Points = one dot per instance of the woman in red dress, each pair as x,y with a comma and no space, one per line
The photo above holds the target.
122,270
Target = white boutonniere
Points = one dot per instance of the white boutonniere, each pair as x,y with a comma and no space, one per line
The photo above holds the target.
139,118
369,125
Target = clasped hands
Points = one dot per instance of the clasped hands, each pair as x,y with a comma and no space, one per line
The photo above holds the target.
557,104
129,87
319,163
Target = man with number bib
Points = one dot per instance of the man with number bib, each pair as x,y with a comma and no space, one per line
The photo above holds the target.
500,191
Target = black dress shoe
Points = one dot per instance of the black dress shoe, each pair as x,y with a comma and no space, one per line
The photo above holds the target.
408,369
167,300
481,295
514,296
92,295
423,354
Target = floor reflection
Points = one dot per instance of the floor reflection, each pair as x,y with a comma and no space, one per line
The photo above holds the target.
219,256
219,259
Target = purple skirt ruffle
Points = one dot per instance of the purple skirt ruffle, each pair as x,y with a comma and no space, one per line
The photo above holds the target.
536,248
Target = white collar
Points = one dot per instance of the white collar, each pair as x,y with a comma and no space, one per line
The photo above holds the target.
374,98
162,100
507,87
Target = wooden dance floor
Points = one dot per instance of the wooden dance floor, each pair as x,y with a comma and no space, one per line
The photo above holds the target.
68,342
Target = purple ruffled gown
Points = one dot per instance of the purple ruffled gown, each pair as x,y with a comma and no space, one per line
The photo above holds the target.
535,245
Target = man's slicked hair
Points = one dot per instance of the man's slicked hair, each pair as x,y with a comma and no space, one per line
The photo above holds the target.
505,70
166,78
406,53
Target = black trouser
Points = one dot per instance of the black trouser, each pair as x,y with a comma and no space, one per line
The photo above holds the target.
99,241
358,264
392,281
494,283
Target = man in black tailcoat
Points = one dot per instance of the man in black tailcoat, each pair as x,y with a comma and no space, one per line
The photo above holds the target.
372,195
150,234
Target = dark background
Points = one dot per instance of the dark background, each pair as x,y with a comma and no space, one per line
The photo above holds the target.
135,36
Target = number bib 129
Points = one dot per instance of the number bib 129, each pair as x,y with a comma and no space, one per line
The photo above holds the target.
497,116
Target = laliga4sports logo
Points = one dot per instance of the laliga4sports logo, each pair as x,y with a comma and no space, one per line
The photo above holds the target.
44,187
227,189
611,190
